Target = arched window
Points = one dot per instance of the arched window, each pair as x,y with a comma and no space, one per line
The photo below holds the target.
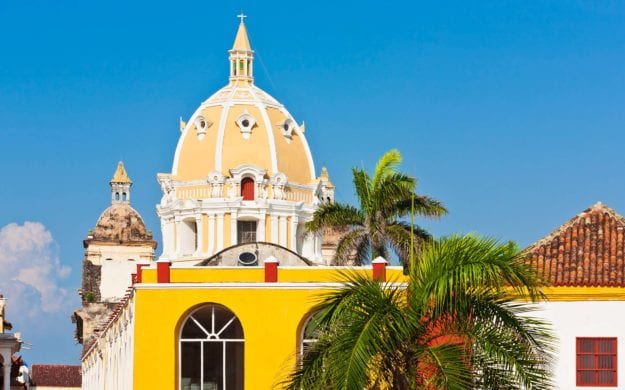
247,188
310,334
211,350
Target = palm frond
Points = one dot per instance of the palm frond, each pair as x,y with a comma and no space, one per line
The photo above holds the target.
353,248
424,206
362,185
385,166
334,215
398,234
463,263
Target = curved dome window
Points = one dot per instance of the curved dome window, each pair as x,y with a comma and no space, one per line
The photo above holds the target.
246,123
201,125
287,128
211,346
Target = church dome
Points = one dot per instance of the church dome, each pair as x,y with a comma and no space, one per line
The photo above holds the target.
242,125
120,223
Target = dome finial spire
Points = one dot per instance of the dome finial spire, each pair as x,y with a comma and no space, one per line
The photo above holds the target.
242,16
241,54
120,185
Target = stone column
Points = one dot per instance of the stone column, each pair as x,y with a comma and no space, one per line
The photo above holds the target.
199,235
274,229
294,221
220,232
233,229
283,235
6,367
211,234
260,229
178,237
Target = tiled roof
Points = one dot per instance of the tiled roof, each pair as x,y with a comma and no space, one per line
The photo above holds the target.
56,375
588,250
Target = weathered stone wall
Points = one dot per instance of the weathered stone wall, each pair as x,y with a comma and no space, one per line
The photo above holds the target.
91,277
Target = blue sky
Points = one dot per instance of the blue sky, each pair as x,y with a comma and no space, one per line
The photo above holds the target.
511,113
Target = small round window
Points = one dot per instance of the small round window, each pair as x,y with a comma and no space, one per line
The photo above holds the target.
286,126
248,259
245,123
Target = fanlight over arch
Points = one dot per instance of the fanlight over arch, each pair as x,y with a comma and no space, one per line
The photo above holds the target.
211,346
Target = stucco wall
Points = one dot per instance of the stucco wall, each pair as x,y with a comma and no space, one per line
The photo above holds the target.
584,319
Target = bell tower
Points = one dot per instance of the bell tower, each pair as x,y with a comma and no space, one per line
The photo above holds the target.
120,185
241,56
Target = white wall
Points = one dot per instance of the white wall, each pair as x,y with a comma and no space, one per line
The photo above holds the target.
118,263
109,365
584,319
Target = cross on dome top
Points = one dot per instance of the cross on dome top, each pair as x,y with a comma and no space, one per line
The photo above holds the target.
241,55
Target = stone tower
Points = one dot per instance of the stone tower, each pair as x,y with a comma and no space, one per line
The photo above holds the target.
113,249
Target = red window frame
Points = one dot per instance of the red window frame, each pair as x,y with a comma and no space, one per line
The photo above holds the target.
596,370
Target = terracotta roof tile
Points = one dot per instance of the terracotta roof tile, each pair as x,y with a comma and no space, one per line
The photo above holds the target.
56,375
588,250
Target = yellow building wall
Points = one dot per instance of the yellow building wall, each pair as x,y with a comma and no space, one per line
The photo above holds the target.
271,319
272,316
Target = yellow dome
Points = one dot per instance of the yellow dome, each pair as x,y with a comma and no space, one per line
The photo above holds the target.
242,125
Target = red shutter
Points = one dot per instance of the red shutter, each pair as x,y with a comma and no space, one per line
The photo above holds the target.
247,188
596,361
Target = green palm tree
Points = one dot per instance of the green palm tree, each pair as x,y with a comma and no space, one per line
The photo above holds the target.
377,226
462,321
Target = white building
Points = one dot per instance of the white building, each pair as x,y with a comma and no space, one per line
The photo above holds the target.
584,263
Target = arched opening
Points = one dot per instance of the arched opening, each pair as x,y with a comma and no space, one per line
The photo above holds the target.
188,237
211,347
247,188
309,334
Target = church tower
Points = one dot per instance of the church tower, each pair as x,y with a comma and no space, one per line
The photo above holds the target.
242,173
113,249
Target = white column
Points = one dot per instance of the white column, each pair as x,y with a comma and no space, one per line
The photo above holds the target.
199,235
233,229
178,237
282,241
220,232
7,371
166,237
260,230
294,221
211,234
274,229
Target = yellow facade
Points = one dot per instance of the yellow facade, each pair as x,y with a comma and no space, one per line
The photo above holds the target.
272,316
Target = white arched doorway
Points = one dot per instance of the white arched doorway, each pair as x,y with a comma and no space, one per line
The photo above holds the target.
211,348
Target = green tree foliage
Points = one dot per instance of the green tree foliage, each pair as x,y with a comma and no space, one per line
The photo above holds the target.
378,225
462,321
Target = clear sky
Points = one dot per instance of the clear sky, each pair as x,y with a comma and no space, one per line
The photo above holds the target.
512,113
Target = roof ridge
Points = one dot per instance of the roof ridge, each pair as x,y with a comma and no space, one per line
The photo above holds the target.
556,232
